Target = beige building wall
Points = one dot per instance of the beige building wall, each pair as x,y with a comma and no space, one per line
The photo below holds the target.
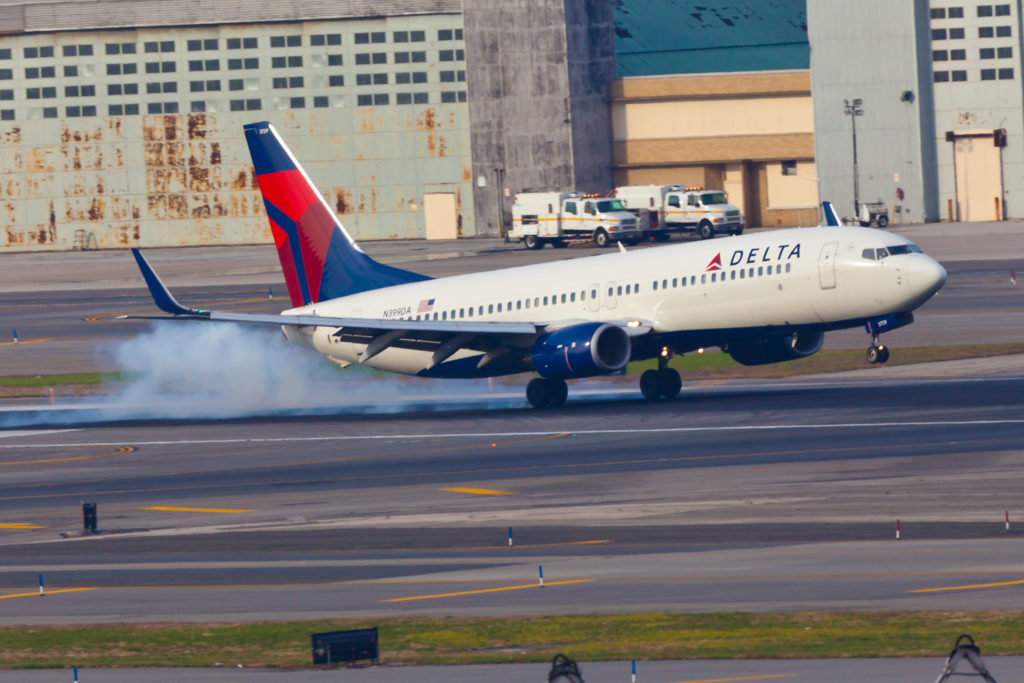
724,131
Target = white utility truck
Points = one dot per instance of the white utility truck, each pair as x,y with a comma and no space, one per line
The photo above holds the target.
557,218
675,208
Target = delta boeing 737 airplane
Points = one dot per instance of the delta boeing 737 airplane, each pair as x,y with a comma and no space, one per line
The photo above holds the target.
762,298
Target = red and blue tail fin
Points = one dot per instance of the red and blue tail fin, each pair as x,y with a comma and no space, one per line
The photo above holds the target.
319,258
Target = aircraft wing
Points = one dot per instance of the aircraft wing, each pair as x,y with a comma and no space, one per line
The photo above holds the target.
443,337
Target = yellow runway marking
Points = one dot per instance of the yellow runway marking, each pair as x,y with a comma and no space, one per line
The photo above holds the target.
25,341
740,678
219,511
120,450
487,590
48,592
479,492
15,525
966,588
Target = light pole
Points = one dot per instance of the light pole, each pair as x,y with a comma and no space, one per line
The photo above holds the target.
853,109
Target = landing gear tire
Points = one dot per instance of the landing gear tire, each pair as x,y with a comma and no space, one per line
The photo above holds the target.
664,383
601,238
533,242
706,230
878,354
546,393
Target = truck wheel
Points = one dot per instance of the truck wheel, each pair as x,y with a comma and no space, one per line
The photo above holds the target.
661,236
882,221
533,242
559,243
705,230
601,237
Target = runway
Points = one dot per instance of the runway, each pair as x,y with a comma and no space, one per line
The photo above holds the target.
739,496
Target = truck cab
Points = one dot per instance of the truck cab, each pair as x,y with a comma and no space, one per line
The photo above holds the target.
676,208
557,218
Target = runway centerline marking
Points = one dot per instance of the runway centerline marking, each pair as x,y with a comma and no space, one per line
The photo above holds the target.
487,590
998,584
551,434
48,592
762,677
478,492
25,341
119,450
219,511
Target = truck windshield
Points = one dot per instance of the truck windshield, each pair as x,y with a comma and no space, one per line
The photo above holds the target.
606,205
713,198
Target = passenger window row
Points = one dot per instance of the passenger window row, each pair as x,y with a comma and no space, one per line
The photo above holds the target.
720,276
521,304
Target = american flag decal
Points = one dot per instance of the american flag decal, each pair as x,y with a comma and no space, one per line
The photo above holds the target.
426,306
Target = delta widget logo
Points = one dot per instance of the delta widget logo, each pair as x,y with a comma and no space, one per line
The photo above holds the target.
716,263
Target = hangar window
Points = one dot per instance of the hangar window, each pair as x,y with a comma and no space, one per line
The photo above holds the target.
1006,74
400,37
1003,32
448,97
987,53
419,57
988,74
1002,10
380,79
6,94
1005,53
956,34
381,98
789,168
958,55
984,10
364,100
986,31
5,53
403,98
938,34
51,112
956,12
938,13
418,36
6,74
362,38
959,75
941,76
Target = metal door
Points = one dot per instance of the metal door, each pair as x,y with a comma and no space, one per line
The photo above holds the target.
827,265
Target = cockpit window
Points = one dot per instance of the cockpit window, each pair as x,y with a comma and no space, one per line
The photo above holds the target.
904,249
869,254
881,253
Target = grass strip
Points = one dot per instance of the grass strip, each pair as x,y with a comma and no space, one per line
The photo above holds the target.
447,641
692,366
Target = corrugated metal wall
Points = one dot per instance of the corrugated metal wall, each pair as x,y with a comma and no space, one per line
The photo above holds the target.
88,178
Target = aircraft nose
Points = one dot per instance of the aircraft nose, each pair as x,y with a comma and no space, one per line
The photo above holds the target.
926,277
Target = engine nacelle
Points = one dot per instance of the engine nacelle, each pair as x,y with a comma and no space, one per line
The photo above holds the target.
582,350
776,349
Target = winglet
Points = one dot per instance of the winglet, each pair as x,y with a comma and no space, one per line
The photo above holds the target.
161,296
831,217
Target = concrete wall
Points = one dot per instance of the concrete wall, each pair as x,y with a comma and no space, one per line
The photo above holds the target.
979,103
728,131
537,75
873,50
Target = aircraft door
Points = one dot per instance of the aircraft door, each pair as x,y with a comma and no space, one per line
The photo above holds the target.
827,265
594,296
609,299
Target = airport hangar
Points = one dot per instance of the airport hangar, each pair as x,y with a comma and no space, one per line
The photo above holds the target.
120,119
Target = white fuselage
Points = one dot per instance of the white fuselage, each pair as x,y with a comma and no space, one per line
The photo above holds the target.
794,277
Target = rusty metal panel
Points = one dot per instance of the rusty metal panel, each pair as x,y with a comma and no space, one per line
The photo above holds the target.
100,14
186,179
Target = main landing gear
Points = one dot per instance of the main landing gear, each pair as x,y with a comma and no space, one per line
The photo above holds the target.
877,353
544,392
661,383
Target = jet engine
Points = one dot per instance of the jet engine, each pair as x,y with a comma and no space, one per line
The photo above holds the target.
776,349
582,350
